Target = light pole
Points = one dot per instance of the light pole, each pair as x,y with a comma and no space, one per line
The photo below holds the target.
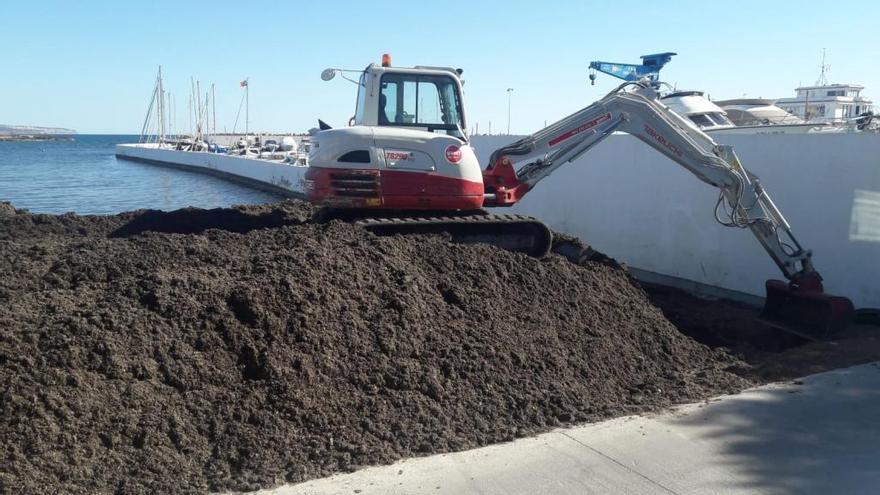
509,91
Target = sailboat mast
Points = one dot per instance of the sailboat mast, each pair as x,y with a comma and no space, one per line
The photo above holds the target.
247,102
199,103
193,101
207,116
170,115
161,112
173,104
148,119
213,109
189,107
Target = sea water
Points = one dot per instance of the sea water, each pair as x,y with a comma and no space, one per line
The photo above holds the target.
83,175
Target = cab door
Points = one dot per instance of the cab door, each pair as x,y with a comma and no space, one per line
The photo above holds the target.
401,141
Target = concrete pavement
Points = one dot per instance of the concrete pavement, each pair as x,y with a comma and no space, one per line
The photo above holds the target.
817,435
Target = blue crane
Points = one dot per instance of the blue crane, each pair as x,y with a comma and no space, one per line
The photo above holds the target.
650,68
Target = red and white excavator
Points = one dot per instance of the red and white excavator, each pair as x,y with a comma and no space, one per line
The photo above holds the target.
404,164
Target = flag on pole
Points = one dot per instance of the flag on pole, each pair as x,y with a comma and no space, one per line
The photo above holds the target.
243,84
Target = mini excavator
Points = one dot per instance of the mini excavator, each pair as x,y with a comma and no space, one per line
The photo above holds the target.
405,165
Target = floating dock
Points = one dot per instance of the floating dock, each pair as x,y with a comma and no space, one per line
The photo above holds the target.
274,176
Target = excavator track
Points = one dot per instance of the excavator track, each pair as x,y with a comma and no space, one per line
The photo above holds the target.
511,232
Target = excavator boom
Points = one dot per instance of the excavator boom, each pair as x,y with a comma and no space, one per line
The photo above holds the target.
799,306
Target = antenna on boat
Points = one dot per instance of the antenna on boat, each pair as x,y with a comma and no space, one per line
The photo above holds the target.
823,68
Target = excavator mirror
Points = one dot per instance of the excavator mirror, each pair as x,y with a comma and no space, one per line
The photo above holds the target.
328,74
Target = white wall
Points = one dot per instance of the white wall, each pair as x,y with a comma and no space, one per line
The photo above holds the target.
641,208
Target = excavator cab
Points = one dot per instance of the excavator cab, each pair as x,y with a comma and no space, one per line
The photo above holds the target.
430,102
406,147
427,99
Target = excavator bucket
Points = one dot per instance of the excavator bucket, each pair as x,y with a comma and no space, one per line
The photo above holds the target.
808,313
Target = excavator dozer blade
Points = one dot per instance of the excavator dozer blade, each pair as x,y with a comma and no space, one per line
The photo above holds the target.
808,313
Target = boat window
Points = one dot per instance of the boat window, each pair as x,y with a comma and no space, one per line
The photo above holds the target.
361,100
701,120
415,100
719,118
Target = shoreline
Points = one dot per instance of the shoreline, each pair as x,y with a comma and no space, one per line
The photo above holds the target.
33,137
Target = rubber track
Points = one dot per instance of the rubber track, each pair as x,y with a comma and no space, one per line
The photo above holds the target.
513,232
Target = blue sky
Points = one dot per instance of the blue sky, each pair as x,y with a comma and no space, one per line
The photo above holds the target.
91,65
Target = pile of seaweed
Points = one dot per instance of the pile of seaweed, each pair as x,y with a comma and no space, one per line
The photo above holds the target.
240,348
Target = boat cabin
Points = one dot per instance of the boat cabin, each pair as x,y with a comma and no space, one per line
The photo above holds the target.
827,103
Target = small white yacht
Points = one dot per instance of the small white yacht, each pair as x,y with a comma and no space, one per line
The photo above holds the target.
698,109
735,116
756,111
763,116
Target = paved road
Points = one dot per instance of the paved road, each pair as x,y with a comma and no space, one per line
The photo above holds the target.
818,435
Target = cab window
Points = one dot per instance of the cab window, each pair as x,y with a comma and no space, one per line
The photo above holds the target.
412,100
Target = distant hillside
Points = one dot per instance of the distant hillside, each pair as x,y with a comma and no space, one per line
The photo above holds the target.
31,130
